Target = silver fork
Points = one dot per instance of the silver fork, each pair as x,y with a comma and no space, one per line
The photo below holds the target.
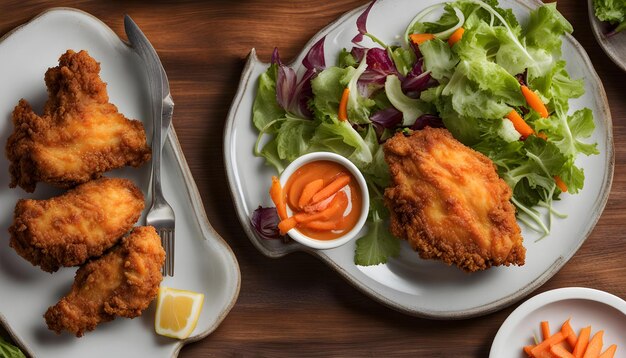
161,215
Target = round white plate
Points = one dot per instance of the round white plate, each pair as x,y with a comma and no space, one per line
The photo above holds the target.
614,46
585,306
407,283
204,262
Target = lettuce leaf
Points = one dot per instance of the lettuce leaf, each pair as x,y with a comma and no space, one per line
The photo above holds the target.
378,245
546,27
438,58
7,350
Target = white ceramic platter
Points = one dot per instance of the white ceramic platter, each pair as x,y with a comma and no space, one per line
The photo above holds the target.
409,284
204,263
585,307
614,46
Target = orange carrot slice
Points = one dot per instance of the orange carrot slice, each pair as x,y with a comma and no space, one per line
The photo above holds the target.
542,135
581,343
609,352
278,197
456,36
337,205
343,105
545,330
520,124
309,190
560,352
528,349
287,224
330,189
546,344
560,183
535,102
322,225
419,39
569,332
595,346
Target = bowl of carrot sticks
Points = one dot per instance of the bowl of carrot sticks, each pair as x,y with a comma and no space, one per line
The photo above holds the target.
322,200
564,323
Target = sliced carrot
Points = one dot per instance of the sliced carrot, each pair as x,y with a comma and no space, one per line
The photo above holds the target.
278,197
609,352
343,105
544,354
520,124
339,182
545,330
419,39
560,352
309,190
595,346
560,183
528,349
322,225
581,343
287,224
547,343
292,194
542,135
569,332
535,102
337,205
456,36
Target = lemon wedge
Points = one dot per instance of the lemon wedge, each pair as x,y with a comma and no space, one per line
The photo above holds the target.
177,312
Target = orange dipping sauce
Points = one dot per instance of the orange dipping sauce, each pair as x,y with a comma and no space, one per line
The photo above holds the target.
317,176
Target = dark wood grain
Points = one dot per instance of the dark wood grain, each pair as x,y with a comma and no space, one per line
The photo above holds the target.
296,305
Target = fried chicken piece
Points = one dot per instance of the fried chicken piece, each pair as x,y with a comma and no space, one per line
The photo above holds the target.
80,134
121,283
82,223
448,201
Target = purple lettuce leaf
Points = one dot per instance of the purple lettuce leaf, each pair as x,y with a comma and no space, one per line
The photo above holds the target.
416,81
265,222
427,120
293,95
387,118
379,66
361,24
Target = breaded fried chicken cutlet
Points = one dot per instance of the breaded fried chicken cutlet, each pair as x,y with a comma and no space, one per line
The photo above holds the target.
121,283
449,203
80,134
82,223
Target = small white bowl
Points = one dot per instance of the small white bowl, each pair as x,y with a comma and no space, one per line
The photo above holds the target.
332,157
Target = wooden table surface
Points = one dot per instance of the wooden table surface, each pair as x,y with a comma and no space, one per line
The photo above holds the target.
297,305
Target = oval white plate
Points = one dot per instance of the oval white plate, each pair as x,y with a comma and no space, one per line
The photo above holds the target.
585,306
408,284
204,262
614,46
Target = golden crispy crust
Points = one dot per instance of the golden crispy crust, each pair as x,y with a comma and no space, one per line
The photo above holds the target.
448,201
121,283
82,223
80,134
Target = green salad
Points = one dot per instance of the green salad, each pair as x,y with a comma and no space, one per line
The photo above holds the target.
612,12
468,66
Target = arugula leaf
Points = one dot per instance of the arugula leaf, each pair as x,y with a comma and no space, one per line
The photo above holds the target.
378,244
7,350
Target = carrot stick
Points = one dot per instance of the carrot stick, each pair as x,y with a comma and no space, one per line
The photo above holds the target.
292,193
339,204
419,39
546,344
287,224
544,354
545,330
527,350
595,346
322,225
610,352
343,105
330,189
581,343
560,352
569,332
535,102
278,197
560,183
456,36
309,190
520,125
542,135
